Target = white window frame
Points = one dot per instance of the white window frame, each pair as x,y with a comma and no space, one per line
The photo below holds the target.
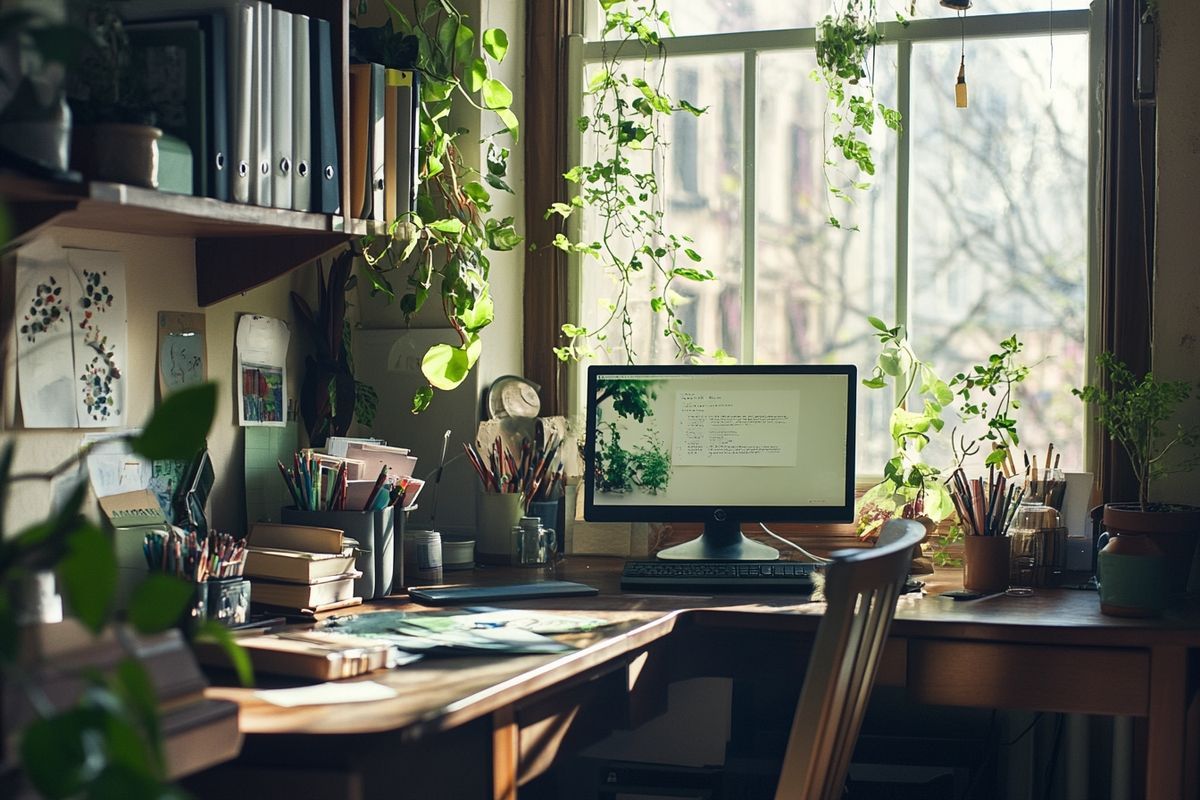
750,44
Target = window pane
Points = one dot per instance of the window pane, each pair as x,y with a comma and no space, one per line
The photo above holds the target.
815,284
701,185
998,219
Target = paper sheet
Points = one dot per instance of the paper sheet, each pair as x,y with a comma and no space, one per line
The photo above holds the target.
113,467
262,344
71,335
331,692
182,351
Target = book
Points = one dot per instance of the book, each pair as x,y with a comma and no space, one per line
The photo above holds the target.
400,146
293,565
282,115
306,654
307,538
261,107
302,129
304,595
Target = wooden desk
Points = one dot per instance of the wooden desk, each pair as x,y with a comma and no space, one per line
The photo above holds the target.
1053,651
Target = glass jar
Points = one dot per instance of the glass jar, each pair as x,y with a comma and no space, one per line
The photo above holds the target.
1038,546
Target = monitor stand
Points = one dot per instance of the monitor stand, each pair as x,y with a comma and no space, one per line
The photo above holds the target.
721,541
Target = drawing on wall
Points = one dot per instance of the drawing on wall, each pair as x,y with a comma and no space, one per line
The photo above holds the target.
182,360
262,344
71,333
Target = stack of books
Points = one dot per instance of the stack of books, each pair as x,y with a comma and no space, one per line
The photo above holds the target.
301,568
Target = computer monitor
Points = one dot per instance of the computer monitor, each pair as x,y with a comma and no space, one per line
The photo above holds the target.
720,445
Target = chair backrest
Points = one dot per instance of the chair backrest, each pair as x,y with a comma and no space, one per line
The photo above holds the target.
861,588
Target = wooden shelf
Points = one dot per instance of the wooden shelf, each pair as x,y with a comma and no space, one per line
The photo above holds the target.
238,246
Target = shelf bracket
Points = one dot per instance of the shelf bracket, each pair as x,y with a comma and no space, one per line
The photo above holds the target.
226,266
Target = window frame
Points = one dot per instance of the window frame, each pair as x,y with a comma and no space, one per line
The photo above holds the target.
750,44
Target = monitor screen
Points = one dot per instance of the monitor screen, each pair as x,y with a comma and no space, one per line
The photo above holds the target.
720,445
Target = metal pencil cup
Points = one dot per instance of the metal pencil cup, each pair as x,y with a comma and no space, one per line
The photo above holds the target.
986,563
495,515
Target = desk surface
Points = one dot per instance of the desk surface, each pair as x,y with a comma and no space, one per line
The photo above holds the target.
436,694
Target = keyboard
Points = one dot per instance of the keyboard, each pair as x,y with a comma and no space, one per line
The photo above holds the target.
737,576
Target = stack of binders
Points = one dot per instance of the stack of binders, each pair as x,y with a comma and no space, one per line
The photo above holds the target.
255,100
301,568
384,142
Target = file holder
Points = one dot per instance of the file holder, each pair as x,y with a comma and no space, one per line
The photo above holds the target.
375,533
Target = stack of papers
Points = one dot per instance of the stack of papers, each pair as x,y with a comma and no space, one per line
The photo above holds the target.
465,631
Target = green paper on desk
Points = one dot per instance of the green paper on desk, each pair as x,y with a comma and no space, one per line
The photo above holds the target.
458,632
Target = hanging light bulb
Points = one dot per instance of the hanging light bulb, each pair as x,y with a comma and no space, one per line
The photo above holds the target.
960,86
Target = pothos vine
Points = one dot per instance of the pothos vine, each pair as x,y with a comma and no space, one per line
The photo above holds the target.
629,106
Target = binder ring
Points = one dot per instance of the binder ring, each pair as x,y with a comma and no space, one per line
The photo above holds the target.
302,169
285,166
265,167
243,169
328,172
379,184
220,161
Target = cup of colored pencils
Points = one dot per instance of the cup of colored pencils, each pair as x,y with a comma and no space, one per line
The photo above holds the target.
534,470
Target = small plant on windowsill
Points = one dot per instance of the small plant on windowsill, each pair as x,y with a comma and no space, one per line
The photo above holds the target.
981,395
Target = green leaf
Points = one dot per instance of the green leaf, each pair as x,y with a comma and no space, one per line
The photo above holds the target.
160,602
495,43
450,225
478,315
501,234
137,695
877,323
476,74
692,254
495,94
179,426
510,121
216,633
421,399
445,366
89,575
874,383
478,195
889,361
54,754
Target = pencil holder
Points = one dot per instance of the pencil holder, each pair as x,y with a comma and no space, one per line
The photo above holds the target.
373,530
495,515
985,563
229,600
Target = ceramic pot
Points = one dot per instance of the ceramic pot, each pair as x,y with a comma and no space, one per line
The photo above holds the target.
986,563
1132,573
1174,530
117,152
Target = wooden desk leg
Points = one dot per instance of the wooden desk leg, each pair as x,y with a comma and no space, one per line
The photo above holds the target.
505,752
1165,734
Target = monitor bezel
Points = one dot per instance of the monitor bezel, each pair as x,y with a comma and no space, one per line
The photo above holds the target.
719,513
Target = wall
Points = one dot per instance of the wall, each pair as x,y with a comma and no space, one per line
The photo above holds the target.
160,276
1176,354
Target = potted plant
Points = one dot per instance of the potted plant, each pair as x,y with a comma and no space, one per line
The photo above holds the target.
1136,413
114,138
983,393
35,120
330,396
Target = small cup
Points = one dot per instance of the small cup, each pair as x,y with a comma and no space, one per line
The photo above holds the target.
495,515
986,563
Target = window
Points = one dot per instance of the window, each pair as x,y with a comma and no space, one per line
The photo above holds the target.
975,228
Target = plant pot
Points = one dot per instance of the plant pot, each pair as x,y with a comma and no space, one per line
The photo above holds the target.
986,563
1174,529
1132,573
117,152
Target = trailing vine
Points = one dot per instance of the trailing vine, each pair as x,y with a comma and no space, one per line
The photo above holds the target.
441,249
629,106
846,42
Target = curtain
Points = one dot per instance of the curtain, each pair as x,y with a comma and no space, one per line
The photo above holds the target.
1127,215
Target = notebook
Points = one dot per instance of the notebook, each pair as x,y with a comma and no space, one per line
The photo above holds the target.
443,595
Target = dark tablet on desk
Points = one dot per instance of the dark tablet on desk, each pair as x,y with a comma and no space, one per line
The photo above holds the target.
446,595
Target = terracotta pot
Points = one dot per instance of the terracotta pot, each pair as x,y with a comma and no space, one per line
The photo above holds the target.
1175,530
985,563
117,152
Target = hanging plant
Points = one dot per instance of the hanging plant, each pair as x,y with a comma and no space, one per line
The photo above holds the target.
629,106
845,49
440,251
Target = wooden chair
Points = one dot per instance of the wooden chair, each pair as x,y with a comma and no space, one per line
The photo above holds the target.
861,588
